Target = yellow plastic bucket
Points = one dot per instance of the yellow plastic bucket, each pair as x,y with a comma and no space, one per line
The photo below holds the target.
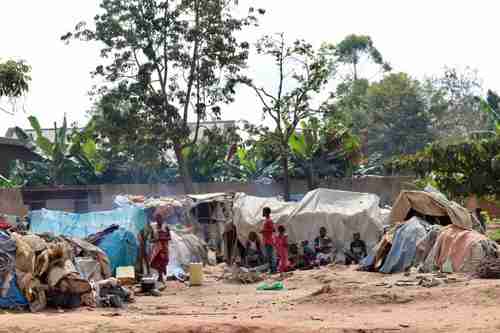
195,274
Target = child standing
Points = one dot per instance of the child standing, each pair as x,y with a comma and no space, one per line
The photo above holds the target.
281,243
267,236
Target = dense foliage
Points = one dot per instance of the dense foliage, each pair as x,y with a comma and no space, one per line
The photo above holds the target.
459,169
337,110
171,61
14,78
69,159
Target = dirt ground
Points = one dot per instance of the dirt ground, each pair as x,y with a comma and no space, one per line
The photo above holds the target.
332,299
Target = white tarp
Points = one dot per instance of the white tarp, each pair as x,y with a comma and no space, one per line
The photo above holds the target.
341,213
183,250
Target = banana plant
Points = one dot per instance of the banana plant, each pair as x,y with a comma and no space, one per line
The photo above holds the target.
305,147
8,183
486,107
66,161
328,150
247,166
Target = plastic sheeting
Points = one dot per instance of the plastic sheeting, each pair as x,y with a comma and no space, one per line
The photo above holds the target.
432,204
121,247
341,213
404,246
183,250
14,298
129,218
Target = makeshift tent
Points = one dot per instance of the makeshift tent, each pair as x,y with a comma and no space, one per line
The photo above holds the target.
184,249
430,204
132,219
341,213
121,246
402,254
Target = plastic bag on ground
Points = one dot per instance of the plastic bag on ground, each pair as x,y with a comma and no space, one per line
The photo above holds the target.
273,287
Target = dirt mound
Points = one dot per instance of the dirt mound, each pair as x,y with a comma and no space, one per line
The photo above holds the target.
389,298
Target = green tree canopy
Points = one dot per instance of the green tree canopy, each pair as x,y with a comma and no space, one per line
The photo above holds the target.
14,79
354,48
400,121
172,60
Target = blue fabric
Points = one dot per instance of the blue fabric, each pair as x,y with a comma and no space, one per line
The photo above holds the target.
121,248
14,298
367,262
404,246
129,218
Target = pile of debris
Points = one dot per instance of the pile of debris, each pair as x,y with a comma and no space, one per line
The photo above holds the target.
62,272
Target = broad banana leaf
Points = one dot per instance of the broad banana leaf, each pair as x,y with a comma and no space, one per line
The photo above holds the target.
44,144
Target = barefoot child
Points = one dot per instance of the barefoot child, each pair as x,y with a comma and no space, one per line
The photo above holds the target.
281,243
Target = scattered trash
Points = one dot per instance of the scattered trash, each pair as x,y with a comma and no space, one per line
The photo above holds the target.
273,287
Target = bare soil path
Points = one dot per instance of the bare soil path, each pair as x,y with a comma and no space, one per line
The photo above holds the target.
333,299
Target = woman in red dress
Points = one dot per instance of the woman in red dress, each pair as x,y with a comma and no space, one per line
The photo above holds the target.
281,244
160,239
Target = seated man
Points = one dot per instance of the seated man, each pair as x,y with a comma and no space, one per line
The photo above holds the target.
323,245
253,251
357,251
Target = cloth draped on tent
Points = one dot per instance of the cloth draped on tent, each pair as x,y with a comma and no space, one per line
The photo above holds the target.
403,251
463,249
432,204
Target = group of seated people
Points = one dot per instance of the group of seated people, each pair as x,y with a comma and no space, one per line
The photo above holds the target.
322,253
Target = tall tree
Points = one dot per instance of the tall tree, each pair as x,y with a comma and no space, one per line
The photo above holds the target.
455,106
172,59
399,117
356,48
302,73
14,79
125,139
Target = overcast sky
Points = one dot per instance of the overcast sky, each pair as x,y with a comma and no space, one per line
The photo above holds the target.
418,37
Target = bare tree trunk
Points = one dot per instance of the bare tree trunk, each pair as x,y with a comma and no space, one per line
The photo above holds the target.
311,183
184,170
286,184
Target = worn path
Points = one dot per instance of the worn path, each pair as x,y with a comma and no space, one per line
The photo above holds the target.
327,300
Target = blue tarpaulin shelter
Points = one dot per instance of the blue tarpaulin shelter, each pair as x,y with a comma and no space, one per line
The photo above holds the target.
121,246
129,218
404,246
123,255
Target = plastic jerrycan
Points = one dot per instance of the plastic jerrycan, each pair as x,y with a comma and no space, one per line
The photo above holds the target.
195,274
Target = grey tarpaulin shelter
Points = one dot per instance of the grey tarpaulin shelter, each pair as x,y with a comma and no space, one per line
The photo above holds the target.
341,213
